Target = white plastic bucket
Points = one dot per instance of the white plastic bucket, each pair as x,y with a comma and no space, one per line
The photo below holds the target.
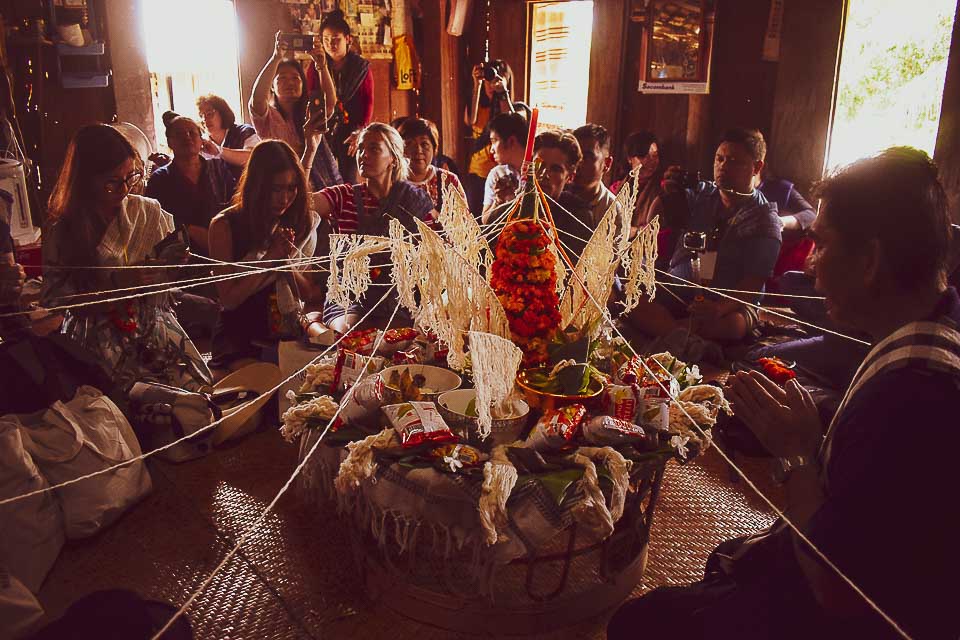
14,181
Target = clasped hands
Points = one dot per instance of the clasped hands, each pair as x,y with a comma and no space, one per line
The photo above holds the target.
784,420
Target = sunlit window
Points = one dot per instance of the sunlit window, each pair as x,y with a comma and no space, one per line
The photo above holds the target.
892,69
560,60
191,51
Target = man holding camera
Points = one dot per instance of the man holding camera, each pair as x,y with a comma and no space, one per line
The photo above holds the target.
730,237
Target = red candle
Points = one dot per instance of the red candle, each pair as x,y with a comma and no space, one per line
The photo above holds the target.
531,134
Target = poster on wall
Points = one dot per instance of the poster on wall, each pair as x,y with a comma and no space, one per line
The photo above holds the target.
677,46
369,22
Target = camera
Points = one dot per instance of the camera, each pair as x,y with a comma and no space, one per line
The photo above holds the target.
297,41
695,241
494,69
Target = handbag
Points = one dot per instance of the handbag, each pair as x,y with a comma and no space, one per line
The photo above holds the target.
33,527
165,414
87,435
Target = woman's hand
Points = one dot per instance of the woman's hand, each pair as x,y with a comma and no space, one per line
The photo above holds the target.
319,55
210,147
786,421
281,244
314,127
477,74
351,143
280,48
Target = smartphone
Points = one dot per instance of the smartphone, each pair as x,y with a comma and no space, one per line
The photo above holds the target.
173,246
297,41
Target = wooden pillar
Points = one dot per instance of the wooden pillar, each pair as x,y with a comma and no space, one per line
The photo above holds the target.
128,55
452,102
806,86
947,153
607,60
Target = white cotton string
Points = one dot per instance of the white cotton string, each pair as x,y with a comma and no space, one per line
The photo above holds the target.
752,293
167,289
296,472
720,293
187,437
780,514
765,309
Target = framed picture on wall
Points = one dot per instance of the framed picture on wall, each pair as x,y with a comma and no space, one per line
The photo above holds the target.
677,46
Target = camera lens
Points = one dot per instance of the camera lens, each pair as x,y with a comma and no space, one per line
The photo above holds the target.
489,73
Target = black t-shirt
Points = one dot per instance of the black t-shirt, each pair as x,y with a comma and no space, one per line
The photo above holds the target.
193,204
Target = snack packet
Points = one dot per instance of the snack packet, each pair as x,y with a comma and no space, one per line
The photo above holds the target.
607,430
398,339
557,428
361,405
413,355
352,366
453,458
418,423
360,340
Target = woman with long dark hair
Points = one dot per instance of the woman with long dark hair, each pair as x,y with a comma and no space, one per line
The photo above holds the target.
270,221
346,83
95,222
280,108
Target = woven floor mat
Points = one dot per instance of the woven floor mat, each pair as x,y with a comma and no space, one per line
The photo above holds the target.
296,577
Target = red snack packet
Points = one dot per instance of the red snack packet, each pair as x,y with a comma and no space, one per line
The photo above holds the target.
557,428
418,423
362,404
360,341
606,430
777,370
351,367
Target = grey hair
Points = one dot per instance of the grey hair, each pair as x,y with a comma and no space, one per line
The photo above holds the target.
393,141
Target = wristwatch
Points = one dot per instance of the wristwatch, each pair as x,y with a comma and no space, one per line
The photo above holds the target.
783,467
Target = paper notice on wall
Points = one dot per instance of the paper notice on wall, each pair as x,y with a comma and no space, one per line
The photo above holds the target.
771,41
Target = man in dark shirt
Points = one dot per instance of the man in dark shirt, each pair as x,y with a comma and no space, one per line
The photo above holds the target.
874,491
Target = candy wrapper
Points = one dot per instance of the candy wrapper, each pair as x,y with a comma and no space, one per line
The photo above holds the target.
413,355
454,458
352,366
360,341
634,372
418,423
398,340
362,405
557,428
607,430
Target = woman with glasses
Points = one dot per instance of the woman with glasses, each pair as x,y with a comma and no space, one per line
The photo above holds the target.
103,238
191,187
268,222
227,139
367,208
343,79
420,147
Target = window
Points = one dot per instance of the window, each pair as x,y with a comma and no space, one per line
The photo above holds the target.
191,51
560,35
892,69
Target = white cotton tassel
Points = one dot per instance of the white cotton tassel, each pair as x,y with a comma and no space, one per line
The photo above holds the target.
626,202
594,273
499,478
359,465
406,266
350,266
641,269
619,469
495,363
461,229
591,512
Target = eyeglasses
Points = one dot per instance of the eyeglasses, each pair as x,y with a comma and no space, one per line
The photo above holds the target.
115,185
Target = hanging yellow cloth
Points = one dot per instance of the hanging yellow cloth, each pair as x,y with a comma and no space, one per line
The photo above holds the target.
406,65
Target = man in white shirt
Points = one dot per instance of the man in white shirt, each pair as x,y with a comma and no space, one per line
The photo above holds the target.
508,136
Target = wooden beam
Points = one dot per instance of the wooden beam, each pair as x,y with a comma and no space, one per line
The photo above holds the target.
947,153
128,55
607,63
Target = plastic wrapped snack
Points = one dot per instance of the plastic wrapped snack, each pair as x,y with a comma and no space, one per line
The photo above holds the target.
556,429
607,430
360,341
453,458
398,339
418,423
353,366
361,406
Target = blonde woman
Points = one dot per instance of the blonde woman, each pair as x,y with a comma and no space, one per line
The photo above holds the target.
366,208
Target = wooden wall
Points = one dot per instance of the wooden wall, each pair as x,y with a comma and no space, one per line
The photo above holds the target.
947,153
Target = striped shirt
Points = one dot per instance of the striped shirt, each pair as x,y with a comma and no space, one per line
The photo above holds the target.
344,217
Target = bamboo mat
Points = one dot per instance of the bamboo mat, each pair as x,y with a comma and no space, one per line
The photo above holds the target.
296,578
